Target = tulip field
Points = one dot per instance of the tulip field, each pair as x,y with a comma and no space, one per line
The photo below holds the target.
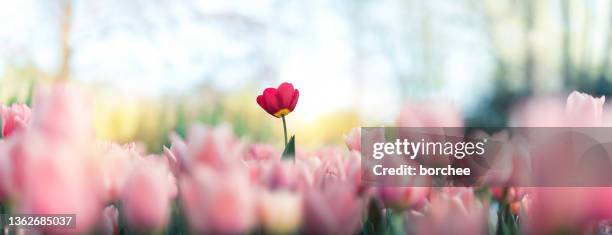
212,182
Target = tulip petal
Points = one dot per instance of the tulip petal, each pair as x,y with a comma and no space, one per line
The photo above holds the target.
271,100
294,101
285,94
261,102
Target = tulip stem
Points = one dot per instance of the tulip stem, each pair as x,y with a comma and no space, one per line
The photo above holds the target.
285,129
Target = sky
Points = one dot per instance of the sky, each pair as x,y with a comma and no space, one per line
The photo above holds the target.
168,47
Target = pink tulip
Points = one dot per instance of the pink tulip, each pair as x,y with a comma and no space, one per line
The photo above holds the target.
110,221
556,210
600,202
14,118
332,169
216,147
218,201
513,194
285,175
530,113
280,212
4,172
353,139
63,112
402,198
58,180
281,175
335,209
262,152
511,165
579,110
452,211
147,194
177,155
522,207
352,167
430,114
584,110
114,165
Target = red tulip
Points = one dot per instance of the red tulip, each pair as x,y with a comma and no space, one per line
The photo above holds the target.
279,102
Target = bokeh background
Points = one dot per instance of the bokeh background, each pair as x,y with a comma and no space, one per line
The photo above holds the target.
154,66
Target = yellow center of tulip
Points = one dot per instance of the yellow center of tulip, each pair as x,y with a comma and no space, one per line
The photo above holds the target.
282,112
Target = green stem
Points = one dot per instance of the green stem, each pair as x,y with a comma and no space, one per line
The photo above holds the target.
285,130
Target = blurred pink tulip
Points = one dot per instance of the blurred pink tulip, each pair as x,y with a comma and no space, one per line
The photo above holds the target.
14,118
110,221
558,210
63,112
147,194
584,110
216,147
522,207
262,152
353,139
335,209
352,168
114,165
600,202
332,169
513,194
58,180
530,113
579,110
4,171
452,211
402,198
430,114
280,212
218,201
177,154
282,175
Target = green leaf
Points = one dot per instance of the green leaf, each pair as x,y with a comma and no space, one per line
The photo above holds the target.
289,152
374,223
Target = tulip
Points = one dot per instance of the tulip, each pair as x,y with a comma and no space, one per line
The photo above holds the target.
63,112
110,221
4,171
14,118
218,201
431,114
521,206
353,139
177,154
402,198
335,209
213,146
579,110
262,152
114,164
558,210
282,175
280,212
56,180
452,211
584,110
147,194
279,102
